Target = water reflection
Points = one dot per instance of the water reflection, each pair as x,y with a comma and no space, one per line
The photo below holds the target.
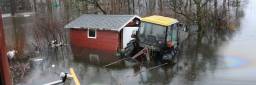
125,72
96,57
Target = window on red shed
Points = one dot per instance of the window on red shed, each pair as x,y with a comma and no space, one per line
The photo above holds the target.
91,33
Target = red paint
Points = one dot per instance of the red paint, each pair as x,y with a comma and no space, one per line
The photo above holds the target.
105,40
4,65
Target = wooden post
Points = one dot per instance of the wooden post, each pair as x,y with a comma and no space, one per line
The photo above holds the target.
4,65
147,55
72,72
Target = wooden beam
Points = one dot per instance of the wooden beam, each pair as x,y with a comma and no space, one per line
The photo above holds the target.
73,74
4,64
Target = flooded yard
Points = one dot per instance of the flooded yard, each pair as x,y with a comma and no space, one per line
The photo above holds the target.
225,58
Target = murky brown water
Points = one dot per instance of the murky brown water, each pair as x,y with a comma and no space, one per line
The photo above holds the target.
228,61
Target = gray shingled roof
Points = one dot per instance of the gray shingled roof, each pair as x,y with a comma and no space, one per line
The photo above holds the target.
106,22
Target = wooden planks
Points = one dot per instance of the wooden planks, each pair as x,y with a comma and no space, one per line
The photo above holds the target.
105,40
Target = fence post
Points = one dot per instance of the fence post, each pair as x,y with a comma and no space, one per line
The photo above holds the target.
4,64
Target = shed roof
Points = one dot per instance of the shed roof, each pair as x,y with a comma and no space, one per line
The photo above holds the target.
156,19
106,22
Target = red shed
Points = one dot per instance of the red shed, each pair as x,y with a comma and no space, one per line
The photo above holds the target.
102,32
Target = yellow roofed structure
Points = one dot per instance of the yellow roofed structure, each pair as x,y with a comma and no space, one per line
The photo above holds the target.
160,20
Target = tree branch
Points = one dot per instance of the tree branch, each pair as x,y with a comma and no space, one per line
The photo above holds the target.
205,3
180,13
98,5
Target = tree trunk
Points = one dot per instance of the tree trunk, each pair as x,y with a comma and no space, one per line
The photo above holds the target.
13,7
133,7
129,6
98,6
161,7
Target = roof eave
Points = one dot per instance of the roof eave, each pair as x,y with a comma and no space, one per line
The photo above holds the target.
135,16
119,29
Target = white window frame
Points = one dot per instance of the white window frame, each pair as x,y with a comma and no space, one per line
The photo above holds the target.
88,35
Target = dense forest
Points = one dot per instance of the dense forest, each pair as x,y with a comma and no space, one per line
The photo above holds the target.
189,11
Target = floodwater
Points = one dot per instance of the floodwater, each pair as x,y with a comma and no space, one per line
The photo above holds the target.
239,53
231,62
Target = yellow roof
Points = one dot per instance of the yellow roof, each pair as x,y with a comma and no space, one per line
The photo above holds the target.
165,21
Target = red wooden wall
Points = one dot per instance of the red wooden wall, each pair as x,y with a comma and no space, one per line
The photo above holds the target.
4,65
105,40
